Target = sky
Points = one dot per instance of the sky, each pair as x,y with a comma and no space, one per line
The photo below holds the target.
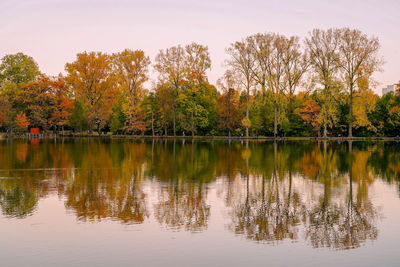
53,32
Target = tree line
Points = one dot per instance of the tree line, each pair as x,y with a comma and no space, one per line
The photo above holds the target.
274,85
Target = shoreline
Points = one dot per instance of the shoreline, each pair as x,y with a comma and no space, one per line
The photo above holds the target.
240,138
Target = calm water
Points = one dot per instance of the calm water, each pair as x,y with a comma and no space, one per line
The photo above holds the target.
80,202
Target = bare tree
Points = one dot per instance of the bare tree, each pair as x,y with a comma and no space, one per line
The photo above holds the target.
322,47
276,73
295,64
261,46
170,64
242,62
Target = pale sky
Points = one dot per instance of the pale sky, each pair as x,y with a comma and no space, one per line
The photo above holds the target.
54,31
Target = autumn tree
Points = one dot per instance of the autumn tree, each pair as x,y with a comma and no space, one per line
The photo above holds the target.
165,96
228,103
295,65
197,95
358,59
310,113
363,105
170,64
63,104
151,107
21,122
276,73
5,110
132,68
279,66
183,70
44,101
92,80
241,60
15,71
323,50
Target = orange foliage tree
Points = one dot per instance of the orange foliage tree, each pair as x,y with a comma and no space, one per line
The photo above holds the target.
21,121
5,107
92,80
45,102
228,103
310,113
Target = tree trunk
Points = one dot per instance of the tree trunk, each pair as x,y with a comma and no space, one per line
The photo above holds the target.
152,123
275,119
247,110
351,112
192,125
325,130
174,124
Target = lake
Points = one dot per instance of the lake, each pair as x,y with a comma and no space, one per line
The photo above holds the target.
102,202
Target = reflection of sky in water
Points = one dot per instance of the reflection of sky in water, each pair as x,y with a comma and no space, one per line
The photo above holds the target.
150,203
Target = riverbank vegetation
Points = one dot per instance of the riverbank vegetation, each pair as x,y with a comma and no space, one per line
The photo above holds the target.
274,85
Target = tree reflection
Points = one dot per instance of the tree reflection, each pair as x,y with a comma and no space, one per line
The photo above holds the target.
101,190
270,210
279,207
273,191
182,196
15,201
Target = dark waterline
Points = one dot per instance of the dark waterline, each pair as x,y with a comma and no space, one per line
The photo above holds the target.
181,203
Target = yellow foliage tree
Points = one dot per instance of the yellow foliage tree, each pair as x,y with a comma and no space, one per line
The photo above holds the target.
132,68
92,79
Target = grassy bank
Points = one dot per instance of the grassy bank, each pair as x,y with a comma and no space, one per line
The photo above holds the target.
258,138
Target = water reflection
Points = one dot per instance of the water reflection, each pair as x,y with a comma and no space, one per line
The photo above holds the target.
317,192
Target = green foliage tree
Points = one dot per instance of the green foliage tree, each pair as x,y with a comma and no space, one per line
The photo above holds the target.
78,120
18,69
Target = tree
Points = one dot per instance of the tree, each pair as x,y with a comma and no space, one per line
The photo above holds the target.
165,95
197,62
170,64
44,101
358,59
262,113
151,109
5,110
22,122
196,88
92,80
322,48
133,70
394,117
363,105
242,62
63,105
18,69
183,69
310,113
228,111
78,120
117,118
295,64
276,73
196,103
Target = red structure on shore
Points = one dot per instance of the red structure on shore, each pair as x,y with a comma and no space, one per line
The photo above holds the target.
35,131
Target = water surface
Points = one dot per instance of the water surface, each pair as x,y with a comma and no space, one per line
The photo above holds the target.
70,202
